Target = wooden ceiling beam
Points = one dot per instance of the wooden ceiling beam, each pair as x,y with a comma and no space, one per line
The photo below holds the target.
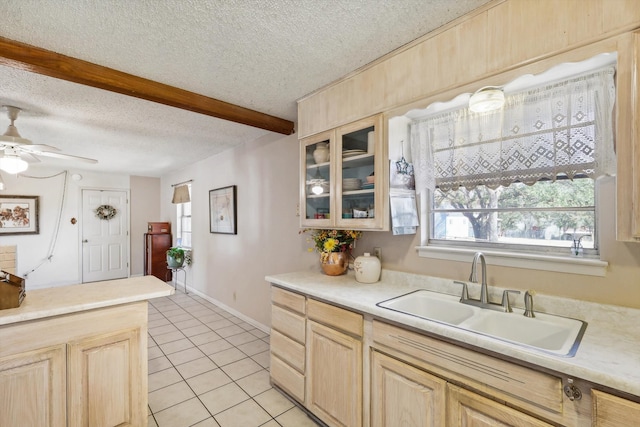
34,59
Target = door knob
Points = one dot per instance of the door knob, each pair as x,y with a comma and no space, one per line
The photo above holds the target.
85,241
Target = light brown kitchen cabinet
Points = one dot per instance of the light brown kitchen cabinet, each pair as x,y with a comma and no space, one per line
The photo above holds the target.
33,388
334,364
404,395
104,373
81,369
614,411
335,168
288,337
524,390
468,409
352,370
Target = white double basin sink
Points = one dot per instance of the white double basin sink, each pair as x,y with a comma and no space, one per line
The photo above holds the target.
544,332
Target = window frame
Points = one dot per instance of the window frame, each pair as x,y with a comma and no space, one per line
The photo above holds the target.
524,248
179,216
507,257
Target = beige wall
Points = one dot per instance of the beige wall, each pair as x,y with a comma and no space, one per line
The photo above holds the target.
144,207
53,257
231,268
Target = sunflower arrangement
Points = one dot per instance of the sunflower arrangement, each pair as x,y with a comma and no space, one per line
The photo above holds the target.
332,240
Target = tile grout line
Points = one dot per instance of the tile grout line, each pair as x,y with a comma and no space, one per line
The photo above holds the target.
234,381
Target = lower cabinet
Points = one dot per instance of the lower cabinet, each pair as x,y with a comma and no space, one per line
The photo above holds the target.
319,351
614,411
103,373
402,395
316,356
288,336
334,376
468,409
86,369
33,388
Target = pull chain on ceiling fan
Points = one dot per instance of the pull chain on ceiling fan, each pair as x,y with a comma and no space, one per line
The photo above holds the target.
16,152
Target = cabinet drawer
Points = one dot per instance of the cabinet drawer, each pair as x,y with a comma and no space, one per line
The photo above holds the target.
613,411
288,323
288,350
287,378
335,317
506,380
290,300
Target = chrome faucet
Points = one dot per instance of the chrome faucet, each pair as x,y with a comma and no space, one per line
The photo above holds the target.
484,302
484,292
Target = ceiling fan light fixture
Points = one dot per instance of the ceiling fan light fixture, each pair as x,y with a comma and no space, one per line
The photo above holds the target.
488,98
11,135
13,164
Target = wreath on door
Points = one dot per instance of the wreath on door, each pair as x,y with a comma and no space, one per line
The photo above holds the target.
106,212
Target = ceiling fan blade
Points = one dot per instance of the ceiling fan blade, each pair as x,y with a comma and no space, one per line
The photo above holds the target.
63,156
28,157
38,147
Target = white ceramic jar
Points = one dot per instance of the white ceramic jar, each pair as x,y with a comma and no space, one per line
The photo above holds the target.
367,268
321,153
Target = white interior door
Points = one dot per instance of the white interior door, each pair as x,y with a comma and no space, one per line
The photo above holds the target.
105,254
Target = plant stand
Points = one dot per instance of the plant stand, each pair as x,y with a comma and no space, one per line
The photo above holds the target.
175,277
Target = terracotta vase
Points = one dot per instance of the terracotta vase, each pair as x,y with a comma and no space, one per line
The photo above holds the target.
334,263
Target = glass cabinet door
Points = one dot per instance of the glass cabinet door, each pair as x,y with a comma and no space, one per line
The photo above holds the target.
358,162
316,202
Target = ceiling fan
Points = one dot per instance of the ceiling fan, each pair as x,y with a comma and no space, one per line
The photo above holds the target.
16,151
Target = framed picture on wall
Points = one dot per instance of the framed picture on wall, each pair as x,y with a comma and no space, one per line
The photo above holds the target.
19,214
222,210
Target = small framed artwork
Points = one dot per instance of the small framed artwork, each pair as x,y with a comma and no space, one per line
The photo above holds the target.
19,215
222,210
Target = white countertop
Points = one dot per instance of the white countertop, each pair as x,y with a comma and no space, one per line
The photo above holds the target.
41,303
609,353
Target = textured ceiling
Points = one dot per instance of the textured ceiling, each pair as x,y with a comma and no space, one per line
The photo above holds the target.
259,54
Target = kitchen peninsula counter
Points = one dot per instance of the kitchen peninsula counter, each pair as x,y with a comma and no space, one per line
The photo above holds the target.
48,302
82,350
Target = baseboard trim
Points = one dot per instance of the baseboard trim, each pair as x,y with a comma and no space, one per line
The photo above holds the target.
244,317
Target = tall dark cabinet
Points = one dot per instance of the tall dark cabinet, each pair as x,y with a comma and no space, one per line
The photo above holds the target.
156,243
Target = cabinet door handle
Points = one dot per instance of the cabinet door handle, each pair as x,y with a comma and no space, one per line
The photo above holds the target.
85,241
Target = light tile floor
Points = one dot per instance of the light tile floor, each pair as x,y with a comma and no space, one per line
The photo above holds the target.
208,368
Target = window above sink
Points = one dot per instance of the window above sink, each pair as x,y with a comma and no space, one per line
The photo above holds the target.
513,180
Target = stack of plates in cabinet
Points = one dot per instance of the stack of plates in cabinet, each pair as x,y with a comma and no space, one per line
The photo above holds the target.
351,153
350,184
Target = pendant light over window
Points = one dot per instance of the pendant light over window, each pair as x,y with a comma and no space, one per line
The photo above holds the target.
488,98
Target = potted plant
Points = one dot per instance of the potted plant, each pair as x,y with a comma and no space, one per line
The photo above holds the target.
334,247
175,257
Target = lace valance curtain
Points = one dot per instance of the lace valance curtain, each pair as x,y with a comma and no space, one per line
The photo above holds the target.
565,128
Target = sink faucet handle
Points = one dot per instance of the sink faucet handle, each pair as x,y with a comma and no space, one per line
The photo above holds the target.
528,303
505,300
465,290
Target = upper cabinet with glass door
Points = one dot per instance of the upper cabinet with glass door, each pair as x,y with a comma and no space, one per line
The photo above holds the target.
350,190
316,201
